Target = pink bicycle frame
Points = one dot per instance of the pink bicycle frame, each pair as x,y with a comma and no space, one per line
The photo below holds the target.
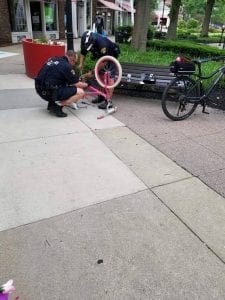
4,296
94,91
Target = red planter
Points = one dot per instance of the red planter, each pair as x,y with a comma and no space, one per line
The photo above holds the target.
35,55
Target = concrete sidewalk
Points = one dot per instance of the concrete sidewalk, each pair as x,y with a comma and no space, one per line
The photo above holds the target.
99,209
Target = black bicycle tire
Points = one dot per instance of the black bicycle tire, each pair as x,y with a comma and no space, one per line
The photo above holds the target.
118,66
164,99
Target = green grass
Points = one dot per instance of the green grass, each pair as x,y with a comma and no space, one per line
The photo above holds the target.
158,57
153,57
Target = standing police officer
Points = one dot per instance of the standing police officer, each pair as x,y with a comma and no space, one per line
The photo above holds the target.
57,81
98,46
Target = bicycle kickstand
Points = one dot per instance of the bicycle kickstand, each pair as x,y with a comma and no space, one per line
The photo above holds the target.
204,109
109,111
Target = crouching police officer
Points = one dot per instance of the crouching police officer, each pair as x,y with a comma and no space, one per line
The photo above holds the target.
57,81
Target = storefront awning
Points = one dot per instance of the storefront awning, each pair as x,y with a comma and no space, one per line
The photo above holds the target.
110,5
128,8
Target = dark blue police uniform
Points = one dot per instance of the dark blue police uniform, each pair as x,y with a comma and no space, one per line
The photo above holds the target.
55,79
101,46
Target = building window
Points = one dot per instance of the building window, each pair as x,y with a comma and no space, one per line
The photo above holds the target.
17,15
50,15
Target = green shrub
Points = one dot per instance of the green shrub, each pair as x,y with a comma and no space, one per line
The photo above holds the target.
185,47
182,25
182,33
125,29
151,32
192,24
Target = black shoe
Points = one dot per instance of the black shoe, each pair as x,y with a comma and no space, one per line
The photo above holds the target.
98,100
57,110
105,104
51,105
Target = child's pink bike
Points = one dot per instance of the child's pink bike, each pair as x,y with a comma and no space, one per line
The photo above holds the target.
6,289
108,73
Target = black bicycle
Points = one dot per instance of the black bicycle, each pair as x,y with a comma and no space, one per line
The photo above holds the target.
185,92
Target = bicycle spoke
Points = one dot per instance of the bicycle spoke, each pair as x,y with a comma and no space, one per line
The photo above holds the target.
108,72
176,102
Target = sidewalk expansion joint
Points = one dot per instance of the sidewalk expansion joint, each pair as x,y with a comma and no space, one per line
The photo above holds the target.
189,228
40,137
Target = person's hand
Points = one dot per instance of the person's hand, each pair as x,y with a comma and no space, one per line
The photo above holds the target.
82,85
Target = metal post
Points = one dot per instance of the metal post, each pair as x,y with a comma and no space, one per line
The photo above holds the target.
69,27
221,37
132,12
164,1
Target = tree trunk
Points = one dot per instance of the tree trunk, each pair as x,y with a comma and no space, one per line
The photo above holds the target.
206,21
5,35
141,22
174,13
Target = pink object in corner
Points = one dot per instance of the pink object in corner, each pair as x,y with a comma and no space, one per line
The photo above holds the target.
4,296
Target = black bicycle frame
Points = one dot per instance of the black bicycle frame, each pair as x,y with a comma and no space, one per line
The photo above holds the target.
198,84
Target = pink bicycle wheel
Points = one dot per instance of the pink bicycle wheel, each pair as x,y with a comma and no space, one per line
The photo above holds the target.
108,72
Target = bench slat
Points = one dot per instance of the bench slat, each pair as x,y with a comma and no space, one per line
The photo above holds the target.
137,72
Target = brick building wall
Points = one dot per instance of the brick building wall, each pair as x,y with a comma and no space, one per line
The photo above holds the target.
5,33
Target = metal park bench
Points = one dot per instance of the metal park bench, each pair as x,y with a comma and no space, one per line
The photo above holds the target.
143,79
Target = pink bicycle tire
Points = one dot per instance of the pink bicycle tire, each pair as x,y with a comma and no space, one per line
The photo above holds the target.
108,58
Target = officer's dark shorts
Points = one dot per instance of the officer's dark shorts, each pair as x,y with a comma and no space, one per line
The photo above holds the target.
65,92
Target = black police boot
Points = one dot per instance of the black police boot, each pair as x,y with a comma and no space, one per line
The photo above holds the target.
98,100
51,105
105,104
57,110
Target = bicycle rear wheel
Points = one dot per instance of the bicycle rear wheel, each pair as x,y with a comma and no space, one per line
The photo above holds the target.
108,72
176,104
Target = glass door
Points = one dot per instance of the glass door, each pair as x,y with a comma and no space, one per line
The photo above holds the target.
36,19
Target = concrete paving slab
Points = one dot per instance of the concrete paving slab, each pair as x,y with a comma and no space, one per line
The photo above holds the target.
34,123
214,142
199,207
146,253
215,179
54,165
90,114
15,81
145,116
192,156
20,98
4,54
184,142
153,167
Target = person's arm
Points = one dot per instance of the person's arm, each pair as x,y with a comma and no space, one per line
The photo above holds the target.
82,85
88,75
82,60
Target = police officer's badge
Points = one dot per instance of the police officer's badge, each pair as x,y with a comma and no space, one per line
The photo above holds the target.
103,50
73,72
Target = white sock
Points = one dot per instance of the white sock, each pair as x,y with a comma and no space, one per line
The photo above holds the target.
74,106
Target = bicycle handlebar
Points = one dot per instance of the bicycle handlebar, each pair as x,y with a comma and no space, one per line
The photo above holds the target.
203,60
